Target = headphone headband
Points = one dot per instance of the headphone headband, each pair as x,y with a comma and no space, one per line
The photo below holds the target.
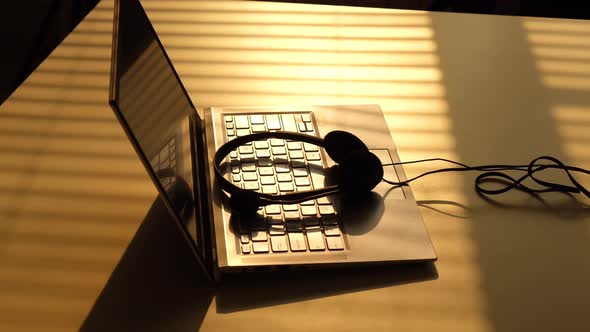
267,199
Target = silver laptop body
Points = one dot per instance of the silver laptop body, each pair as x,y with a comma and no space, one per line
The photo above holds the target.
176,142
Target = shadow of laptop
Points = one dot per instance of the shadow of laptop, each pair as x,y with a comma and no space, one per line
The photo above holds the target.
267,289
158,286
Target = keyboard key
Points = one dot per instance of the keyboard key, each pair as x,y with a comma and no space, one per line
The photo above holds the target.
298,163
258,236
297,241
244,238
289,122
276,229
242,132
308,147
278,243
308,210
302,181
310,202
286,187
250,176
335,243
246,248
246,158
281,160
236,177
235,169
265,171
248,167
257,119
301,171
304,188
273,122
311,156
273,209
331,230
228,118
269,189
261,145
330,220
311,221
315,239
258,128
282,168
260,247
244,149
264,162
316,164
233,154
301,127
277,142
242,122
305,117
265,180
326,209
263,154
309,127
293,145
290,207
229,125
284,177
251,185
296,154
323,200
231,133
291,215
274,219
278,151
293,226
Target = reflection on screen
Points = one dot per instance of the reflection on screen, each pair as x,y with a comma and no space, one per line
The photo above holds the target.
152,101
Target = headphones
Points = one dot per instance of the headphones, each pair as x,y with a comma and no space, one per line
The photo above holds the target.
358,170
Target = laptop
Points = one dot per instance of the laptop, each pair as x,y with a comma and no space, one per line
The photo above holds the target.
176,142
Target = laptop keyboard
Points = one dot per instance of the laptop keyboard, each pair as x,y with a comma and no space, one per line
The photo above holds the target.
277,166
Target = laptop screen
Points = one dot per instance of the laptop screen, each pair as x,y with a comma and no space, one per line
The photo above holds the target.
155,111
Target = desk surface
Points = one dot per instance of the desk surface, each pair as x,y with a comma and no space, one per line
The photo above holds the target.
74,199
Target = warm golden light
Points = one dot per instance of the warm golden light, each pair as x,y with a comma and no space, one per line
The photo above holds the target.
72,191
561,49
563,63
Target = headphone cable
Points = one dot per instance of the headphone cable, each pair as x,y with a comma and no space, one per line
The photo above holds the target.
497,173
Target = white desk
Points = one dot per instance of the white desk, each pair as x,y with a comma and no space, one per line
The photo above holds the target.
480,89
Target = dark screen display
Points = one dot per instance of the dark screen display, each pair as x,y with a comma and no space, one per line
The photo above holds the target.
152,103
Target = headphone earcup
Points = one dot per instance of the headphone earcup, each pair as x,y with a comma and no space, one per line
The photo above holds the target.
339,144
360,172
